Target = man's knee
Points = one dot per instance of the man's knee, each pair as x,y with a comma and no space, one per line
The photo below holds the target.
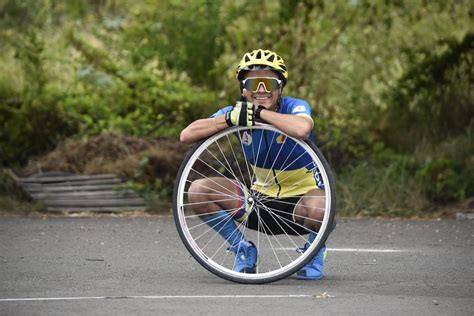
197,191
310,216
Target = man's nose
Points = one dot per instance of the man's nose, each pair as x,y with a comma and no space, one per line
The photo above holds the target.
261,87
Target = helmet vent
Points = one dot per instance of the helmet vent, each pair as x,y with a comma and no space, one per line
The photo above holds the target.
247,59
271,58
259,55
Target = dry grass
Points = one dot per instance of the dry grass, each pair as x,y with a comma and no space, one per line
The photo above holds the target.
143,162
126,156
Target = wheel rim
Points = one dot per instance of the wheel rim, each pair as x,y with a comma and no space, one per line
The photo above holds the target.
223,155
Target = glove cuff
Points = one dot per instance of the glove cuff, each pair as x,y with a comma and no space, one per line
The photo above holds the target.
228,120
257,112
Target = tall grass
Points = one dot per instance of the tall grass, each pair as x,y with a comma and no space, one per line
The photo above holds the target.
379,190
389,184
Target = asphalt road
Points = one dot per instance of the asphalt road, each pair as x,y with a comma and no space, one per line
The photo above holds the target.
110,266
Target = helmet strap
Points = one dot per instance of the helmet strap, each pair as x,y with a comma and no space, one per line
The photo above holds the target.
278,104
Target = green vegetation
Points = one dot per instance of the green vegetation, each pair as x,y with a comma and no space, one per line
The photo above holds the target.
390,82
12,199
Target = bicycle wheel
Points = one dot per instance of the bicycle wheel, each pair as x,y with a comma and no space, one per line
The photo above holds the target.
225,155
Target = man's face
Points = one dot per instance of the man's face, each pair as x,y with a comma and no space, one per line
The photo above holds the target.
261,97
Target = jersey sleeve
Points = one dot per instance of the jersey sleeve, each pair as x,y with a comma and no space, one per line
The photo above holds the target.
301,108
221,111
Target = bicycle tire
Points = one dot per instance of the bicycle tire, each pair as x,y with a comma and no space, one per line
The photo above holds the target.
183,221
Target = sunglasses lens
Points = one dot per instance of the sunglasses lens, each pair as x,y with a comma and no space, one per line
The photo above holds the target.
253,84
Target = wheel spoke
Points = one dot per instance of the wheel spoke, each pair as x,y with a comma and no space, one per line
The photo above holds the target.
204,177
285,220
290,203
238,164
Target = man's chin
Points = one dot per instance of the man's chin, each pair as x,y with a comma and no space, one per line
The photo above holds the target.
266,105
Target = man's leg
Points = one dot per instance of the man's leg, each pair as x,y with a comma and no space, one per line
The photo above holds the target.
310,213
219,201
310,209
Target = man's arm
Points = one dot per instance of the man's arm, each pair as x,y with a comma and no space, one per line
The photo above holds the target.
298,126
242,114
202,128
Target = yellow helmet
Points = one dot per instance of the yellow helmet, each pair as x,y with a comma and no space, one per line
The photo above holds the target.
265,58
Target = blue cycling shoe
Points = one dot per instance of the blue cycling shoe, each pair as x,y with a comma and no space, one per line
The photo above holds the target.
245,256
313,270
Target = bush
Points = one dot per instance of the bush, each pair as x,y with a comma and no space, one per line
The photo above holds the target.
434,100
32,118
12,198
446,180
107,96
446,171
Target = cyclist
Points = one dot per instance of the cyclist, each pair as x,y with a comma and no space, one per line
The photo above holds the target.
262,75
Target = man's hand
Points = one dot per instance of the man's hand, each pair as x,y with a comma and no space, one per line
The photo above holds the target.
242,114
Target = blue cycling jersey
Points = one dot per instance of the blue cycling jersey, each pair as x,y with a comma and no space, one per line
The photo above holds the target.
282,168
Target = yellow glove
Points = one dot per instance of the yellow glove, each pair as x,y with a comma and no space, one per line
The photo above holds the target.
242,114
